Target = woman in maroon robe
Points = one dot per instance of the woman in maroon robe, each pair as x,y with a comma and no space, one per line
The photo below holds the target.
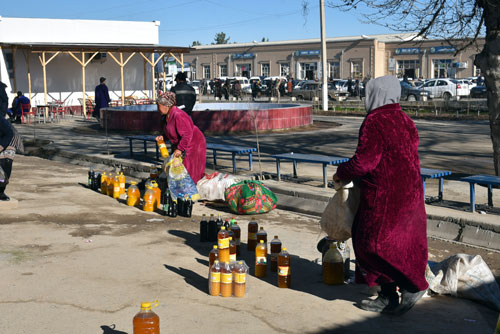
184,136
389,232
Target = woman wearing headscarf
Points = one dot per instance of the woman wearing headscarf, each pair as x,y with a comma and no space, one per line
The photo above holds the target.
389,232
185,137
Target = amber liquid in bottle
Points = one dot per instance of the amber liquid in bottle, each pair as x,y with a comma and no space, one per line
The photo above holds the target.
262,235
214,281
333,266
239,280
146,322
232,250
284,272
226,281
237,237
253,228
260,259
275,250
212,256
223,244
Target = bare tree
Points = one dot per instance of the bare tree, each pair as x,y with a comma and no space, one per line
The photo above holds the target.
459,22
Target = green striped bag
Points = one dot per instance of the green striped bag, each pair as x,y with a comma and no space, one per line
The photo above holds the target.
250,197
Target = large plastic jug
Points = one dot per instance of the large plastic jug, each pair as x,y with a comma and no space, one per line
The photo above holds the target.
149,200
146,321
133,195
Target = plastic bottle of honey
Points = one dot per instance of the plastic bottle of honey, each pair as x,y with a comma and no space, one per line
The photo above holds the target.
157,194
239,279
153,172
212,256
204,229
219,222
104,183
237,236
262,235
284,272
223,244
253,228
116,188
133,195
275,250
146,321
333,266
163,148
232,250
214,281
149,199
226,280
212,229
111,185
121,178
261,259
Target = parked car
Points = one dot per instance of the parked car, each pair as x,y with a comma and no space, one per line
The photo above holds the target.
310,90
410,93
442,88
196,85
478,92
464,87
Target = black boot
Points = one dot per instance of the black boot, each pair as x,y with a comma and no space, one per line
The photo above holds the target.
386,302
4,197
6,165
408,299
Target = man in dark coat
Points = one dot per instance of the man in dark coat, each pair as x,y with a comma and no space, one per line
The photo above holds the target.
101,97
185,94
4,100
389,232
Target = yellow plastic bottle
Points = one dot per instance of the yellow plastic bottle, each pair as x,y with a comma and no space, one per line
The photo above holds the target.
116,187
121,178
146,321
163,148
157,192
111,185
149,199
261,259
133,195
104,183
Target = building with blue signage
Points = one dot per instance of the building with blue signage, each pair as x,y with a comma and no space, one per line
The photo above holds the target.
351,56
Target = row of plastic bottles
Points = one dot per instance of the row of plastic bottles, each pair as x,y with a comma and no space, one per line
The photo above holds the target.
227,279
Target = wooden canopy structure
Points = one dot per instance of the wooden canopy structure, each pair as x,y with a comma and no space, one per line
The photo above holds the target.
84,53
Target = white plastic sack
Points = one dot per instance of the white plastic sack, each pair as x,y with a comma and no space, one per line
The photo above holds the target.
336,221
466,276
212,187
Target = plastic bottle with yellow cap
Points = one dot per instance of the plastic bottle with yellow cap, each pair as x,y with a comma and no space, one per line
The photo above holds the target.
146,321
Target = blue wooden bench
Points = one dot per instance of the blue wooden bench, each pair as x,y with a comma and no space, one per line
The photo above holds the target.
428,173
484,180
145,139
311,158
234,150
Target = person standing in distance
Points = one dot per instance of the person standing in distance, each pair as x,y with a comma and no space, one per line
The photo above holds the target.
101,97
184,93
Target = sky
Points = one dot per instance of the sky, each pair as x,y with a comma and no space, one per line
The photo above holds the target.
185,21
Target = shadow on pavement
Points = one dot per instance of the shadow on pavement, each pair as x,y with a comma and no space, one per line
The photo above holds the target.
190,277
111,330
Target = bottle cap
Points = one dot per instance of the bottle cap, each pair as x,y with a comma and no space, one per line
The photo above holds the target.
284,249
133,183
230,238
215,247
203,215
262,241
261,228
275,237
222,228
216,262
146,306
211,215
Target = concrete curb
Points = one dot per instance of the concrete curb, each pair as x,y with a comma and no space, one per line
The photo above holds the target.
297,198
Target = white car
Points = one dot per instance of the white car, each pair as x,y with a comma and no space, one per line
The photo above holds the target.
196,85
464,86
443,88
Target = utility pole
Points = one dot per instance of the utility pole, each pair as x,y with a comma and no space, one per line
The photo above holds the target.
324,69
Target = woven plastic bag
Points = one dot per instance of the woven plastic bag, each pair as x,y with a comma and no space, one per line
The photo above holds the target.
250,197
213,187
336,221
180,183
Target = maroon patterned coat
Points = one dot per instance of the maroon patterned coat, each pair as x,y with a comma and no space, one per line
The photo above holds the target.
389,231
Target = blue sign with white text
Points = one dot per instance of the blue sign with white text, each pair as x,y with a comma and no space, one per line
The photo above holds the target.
308,53
442,49
407,51
243,55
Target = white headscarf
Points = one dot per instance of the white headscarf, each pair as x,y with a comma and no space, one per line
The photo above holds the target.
382,91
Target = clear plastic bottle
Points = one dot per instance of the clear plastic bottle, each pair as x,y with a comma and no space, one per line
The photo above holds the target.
333,266
104,183
226,280
153,172
214,281
212,256
262,235
253,228
223,244
133,195
146,321
239,279
345,251
237,236
122,180
261,259
219,222
116,187
111,185
163,148
232,250
275,250
149,199
204,229
284,269
157,194
212,229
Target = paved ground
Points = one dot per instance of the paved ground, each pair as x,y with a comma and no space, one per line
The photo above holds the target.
75,261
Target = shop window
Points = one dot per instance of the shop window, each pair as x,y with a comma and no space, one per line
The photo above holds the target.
223,70
243,70
441,67
308,71
284,69
264,69
357,69
334,70
206,71
410,68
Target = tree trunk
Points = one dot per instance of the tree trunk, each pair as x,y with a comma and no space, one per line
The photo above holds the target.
489,63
